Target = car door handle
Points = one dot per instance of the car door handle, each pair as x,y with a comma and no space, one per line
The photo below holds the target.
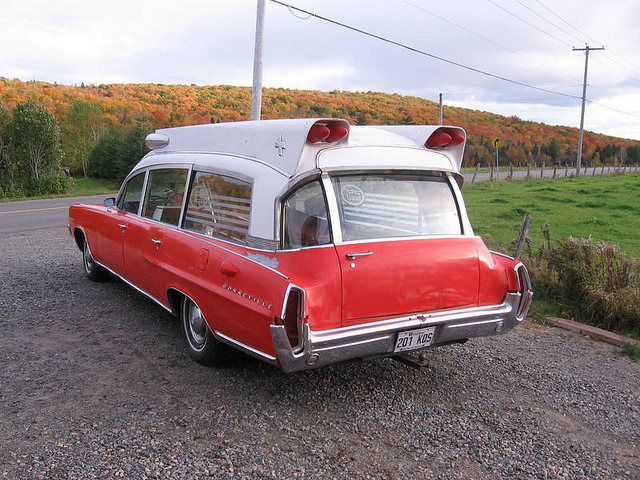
353,256
122,225
156,241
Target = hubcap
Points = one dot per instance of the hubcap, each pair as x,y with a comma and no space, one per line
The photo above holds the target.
88,259
197,326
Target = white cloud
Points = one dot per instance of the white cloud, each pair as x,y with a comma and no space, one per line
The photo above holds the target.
211,42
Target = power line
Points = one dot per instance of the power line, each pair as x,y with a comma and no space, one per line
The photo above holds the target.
421,52
631,67
547,20
418,7
611,108
529,23
563,20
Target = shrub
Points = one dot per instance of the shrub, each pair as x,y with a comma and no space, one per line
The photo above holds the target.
598,284
52,183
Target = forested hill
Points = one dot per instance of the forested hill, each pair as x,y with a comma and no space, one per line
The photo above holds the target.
149,106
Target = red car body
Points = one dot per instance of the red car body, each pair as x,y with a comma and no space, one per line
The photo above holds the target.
305,242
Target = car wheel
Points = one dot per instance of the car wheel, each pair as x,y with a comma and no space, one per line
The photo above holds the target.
202,344
94,271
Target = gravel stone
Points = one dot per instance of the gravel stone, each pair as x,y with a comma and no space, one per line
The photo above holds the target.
96,383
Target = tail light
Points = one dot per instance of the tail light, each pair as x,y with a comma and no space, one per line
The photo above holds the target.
445,137
524,288
292,314
328,131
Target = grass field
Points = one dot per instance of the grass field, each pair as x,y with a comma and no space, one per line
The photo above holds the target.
80,187
606,208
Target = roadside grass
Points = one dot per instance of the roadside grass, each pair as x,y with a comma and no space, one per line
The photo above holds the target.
605,208
591,280
80,187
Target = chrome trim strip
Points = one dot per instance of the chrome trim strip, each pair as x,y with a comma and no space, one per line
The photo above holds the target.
401,239
246,348
138,289
334,211
502,254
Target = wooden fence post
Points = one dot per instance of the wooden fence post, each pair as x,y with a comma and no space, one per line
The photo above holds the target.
522,238
491,173
475,173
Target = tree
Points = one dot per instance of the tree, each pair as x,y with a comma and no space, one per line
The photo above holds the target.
34,138
116,153
6,178
81,130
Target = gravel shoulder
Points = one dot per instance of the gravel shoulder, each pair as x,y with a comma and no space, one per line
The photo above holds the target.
95,382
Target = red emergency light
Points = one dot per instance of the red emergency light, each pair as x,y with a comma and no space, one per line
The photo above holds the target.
328,132
444,137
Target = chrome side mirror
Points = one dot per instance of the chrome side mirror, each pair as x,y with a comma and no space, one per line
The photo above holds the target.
109,202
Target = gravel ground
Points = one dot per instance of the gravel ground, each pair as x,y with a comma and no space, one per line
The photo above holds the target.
95,383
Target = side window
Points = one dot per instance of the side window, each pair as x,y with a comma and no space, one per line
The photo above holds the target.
130,199
164,195
219,206
305,218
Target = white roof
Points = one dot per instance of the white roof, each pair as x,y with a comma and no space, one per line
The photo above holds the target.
283,145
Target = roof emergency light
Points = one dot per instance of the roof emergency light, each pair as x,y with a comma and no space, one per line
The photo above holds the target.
444,137
328,131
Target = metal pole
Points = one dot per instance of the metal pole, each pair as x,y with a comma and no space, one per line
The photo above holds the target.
256,92
441,110
584,99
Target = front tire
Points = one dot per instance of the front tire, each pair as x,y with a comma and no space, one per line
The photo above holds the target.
203,347
94,271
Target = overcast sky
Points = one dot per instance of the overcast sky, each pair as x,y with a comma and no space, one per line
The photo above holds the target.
211,42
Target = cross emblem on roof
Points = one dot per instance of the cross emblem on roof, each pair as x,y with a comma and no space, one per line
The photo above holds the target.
280,144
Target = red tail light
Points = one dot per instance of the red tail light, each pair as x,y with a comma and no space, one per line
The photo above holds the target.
318,133
445,137
328,131
292,314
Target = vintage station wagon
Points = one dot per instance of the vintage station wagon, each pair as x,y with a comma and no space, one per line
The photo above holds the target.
305,242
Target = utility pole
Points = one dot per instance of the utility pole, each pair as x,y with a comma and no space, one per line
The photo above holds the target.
586,50
256,92
441,110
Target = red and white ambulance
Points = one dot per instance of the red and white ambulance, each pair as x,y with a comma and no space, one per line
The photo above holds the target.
305,242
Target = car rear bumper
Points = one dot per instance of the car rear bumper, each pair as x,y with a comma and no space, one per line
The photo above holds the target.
378,339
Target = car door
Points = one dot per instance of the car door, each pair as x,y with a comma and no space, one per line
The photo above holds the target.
160,211
402,250
114,226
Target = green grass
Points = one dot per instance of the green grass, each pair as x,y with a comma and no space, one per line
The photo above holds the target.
92,186
603,207
80,187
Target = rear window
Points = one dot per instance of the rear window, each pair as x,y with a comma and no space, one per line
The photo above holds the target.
392,205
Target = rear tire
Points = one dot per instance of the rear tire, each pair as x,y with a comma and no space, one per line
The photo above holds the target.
94,271
203,346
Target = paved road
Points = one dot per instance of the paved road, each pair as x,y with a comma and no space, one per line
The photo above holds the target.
35,214
560,172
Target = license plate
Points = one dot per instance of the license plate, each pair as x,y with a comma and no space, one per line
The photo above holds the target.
414,339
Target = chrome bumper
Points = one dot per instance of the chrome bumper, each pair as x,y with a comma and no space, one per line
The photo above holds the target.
377,339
